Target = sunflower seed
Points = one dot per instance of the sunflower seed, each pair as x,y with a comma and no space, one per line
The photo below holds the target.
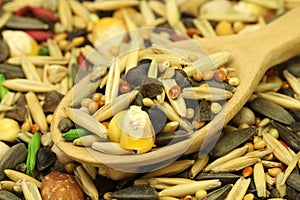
271,110
231,140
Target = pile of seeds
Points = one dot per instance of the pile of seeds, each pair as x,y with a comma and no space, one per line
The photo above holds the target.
46,43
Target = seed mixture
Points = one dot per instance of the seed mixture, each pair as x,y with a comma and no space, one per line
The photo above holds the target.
167,92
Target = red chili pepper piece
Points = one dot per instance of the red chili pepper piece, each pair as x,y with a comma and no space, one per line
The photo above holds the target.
39,35
44,14
23,11
82,62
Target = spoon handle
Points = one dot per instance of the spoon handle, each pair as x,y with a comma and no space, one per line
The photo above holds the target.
279,40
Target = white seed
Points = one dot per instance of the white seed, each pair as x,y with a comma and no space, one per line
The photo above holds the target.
234,81
216,107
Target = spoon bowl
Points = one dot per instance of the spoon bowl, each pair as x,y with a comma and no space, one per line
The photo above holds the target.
252,55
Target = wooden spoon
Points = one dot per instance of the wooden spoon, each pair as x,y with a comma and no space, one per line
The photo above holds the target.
252,55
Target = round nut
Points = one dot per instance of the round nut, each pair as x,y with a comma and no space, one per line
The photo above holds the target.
57,185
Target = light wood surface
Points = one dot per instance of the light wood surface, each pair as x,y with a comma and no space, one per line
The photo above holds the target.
252,55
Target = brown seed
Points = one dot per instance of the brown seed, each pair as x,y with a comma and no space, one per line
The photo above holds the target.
238,26
247,171
192,31
106,124
259,144
220,75
49,118
124,87
174,91
285,85
197,76
249,196
274,171
101,103
97,97
26,126
250,146
34,128
93,107
69,167
224,28
86,102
